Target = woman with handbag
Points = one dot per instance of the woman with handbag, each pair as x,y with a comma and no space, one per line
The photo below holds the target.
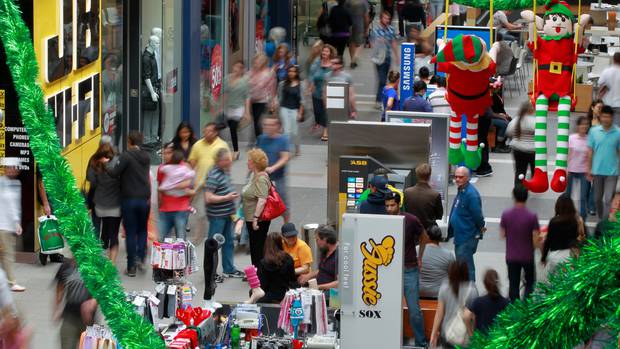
236,102
454,295
106,199
254,196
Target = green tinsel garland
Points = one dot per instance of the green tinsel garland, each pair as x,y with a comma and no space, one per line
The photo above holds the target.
576,303
99,274
501,4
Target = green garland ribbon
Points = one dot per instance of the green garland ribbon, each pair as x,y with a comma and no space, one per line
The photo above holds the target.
99,274
580,299
500,4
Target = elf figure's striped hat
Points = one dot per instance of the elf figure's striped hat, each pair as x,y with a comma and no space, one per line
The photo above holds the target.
463,48
559,7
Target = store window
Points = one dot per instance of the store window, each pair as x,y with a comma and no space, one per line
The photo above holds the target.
160,86
112,69
212,57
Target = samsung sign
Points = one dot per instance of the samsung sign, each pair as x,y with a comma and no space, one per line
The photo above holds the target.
407,72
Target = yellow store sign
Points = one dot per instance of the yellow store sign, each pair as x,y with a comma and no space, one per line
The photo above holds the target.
67,43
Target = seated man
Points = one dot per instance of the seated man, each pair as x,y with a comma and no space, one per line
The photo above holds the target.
417,102
297,249
327,274
435,263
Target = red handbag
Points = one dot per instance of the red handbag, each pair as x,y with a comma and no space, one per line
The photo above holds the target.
274,206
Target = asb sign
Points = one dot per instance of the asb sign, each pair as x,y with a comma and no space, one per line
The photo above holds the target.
67,43
371,280
407,71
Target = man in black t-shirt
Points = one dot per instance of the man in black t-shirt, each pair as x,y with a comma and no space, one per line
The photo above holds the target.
414,233
327,274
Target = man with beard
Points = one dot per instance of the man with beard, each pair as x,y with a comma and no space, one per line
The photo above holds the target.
327,274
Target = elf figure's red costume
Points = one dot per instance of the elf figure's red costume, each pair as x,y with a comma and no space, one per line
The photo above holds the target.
555,60
555,52
468,67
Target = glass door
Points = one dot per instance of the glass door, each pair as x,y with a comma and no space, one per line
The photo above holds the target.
212,56
112,86
172,60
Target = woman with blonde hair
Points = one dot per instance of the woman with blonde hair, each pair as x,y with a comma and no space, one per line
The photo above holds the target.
254,195
282,60
262,89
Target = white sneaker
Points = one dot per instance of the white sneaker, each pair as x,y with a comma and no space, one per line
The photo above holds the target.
17,288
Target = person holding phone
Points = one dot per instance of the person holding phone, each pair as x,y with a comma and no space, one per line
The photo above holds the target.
221,197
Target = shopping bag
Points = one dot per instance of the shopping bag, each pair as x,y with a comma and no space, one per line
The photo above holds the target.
274,206
49,235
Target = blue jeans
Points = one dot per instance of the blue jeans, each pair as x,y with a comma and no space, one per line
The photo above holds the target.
176,219
584,191
135,218
464,251
411,281
224,226
500,128
382,72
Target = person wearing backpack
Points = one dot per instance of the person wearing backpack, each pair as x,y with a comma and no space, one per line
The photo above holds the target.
449,326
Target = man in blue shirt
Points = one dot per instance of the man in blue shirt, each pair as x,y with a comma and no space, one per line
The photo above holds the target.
466,220
417,101
277,148
604,144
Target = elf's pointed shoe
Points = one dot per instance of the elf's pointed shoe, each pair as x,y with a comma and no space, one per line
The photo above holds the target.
455,156
558,182
473,158
539,182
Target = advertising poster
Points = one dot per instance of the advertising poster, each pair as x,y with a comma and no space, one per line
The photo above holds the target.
407,71
371,281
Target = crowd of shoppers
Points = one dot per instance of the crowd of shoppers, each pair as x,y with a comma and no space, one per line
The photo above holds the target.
195,176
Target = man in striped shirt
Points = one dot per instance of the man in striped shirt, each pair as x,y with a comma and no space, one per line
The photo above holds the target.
438,97
220,197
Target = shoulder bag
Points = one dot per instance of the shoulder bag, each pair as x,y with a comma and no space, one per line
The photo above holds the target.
456,331
274,206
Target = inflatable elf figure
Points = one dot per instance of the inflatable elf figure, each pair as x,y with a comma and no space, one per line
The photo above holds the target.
468,67
555,52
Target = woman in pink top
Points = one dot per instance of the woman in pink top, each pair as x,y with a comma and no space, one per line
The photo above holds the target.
577,164
262,89
175,190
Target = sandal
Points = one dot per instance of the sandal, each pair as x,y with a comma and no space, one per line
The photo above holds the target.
324,139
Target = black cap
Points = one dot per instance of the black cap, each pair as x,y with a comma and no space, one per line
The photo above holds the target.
288,230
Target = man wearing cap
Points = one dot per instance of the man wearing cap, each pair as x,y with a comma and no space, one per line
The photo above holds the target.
375,203
10,217
466,222
297,249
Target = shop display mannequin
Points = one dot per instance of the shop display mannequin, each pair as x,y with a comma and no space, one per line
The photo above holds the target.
151,85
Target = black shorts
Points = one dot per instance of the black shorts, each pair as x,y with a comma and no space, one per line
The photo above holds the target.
107,230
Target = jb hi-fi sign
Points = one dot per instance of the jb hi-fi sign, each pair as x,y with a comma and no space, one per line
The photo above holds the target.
375,256
69,52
